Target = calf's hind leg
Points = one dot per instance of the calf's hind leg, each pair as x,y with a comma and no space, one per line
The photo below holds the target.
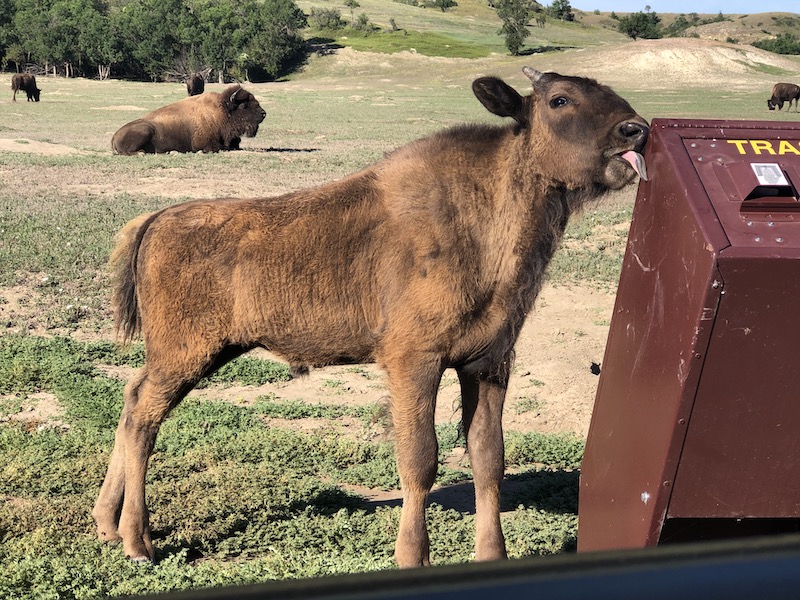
156,390
148,400
108,506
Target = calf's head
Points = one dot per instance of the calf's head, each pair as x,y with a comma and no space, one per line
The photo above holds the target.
577,132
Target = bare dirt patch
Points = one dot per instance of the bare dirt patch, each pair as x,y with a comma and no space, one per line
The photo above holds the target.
35,147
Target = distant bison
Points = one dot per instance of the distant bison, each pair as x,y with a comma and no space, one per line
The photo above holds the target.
209,123
25,82
195,84
784,92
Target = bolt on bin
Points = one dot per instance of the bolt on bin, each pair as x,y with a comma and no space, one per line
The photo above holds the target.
695,432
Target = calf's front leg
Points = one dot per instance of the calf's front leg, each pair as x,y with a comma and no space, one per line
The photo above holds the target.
413,392
482,399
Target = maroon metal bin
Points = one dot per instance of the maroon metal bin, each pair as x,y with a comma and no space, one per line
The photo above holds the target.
695,432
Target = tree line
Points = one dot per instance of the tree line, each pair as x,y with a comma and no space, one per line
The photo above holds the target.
152,39
647,25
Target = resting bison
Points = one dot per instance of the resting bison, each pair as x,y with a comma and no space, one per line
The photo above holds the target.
428,259
784,92
209,122
195,85
25,82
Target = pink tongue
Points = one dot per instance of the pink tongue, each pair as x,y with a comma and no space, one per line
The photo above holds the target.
636,160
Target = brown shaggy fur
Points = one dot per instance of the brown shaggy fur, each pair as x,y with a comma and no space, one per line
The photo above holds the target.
427,260
784,92
25,82
209,123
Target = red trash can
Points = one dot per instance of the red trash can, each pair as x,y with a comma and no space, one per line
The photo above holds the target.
695,432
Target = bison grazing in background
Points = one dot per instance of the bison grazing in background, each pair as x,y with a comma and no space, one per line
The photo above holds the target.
427,260
784,92
195,85
209,122
25,82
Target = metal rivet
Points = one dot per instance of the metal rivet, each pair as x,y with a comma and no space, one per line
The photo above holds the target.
779,240
758,238
749,223
771,224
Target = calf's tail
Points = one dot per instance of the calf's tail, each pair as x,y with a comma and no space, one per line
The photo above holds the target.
123,265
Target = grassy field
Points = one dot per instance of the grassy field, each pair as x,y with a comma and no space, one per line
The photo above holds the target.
235,500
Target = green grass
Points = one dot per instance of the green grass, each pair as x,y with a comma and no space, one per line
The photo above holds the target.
427,43
233,501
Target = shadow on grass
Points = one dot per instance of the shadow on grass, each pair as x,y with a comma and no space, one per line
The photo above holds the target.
551,491
287,150
543,49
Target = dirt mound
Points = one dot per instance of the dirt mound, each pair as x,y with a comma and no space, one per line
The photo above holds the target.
684,61
669,62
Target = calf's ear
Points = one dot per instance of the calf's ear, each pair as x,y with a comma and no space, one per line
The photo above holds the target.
500,99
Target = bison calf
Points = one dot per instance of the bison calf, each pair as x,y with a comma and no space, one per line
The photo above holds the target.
25,82
427,260
209,123
784,92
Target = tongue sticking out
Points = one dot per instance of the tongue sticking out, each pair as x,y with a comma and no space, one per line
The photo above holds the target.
636,160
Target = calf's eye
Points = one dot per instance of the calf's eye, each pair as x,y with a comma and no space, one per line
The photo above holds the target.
558,102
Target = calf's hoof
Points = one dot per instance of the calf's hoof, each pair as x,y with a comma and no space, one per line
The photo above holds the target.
107,529
139,550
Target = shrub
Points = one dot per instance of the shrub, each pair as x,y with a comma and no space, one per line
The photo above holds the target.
326,18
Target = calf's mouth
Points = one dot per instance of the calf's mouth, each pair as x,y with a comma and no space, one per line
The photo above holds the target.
635,160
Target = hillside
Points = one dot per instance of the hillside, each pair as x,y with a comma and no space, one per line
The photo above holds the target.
474,22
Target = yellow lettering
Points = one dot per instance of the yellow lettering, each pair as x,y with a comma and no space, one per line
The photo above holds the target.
785,148
739,145
759,145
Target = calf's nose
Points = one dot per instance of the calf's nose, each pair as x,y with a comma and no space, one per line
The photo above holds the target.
635,132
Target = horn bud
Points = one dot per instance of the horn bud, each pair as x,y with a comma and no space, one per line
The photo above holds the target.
532,74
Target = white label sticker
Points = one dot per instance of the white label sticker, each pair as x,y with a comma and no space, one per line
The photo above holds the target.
769,173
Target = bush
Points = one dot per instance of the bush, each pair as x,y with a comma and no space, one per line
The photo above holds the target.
785,43
326,19
646,25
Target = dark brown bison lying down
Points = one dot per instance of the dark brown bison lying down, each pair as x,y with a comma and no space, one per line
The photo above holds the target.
428,259
25,82
209,123
784,92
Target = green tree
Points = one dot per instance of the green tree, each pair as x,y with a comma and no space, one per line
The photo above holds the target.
515,15
275,40
222,33
7,32
352,5
156,33
784,43
561,9
99,39
645,25
30,21
443,5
